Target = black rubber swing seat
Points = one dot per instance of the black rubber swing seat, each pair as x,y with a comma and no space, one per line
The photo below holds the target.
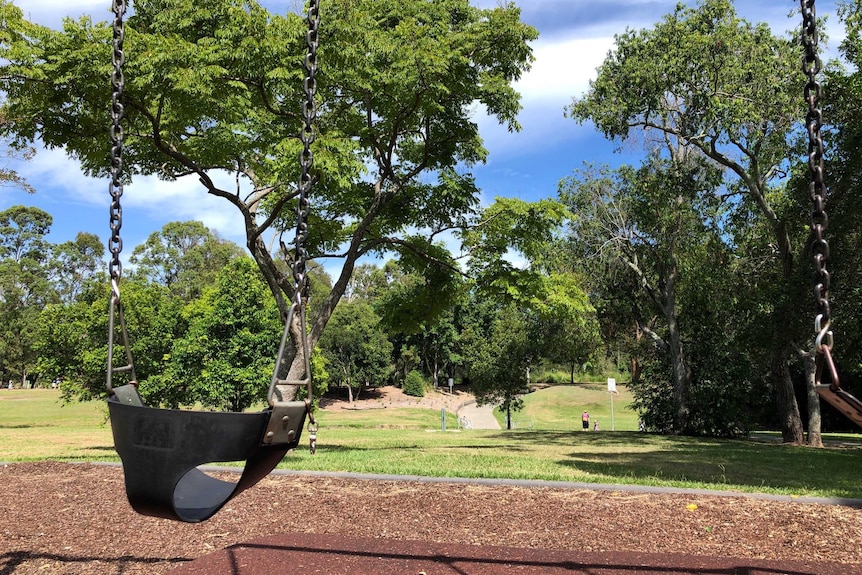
161,450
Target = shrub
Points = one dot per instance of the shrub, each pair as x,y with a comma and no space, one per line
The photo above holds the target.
414,384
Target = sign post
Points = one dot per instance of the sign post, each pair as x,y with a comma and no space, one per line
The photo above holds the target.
612,390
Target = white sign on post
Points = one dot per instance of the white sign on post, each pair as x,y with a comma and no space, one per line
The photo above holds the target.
612,385
612,389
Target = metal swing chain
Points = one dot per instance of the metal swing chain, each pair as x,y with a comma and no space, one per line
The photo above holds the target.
117,111
115,245
306,162
306,179
811,66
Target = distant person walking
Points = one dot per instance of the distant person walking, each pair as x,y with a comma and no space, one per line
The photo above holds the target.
585,420
596,425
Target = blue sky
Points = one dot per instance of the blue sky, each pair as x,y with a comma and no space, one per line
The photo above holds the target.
575,37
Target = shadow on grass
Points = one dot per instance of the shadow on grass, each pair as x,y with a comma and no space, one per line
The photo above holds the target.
638,458
743,464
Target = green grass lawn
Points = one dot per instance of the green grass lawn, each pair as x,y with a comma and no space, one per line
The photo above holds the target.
559,408
35,426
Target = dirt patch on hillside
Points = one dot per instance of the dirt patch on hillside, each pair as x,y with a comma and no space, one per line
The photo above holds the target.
394,397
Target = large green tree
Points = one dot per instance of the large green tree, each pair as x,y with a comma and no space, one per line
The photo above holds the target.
76,264
648,222
71,344
356,349
651,241
706,80
216,87
539,306
24,285
226,357
186,257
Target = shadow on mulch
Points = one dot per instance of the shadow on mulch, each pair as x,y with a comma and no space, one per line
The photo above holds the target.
331,554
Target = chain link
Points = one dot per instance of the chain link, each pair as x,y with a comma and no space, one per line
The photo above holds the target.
116,317
115,245
811,66
306,179
306,159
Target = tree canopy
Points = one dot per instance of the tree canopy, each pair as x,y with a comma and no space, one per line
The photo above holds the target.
215,88
708,81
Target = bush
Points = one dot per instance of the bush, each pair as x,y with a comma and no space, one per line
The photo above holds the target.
414,384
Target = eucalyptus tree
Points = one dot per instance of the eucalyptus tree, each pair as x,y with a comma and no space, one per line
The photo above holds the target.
216,87
24,285
706,80
647,222
186,257
75,265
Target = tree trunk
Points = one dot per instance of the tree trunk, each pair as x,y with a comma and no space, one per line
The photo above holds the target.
293,364
635,371
814,438
635,361
679,366
681,375
572,373
788,408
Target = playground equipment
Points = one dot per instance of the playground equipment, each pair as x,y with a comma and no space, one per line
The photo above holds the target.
830,392
161,449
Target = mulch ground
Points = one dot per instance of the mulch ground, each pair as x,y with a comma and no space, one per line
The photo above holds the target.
60,518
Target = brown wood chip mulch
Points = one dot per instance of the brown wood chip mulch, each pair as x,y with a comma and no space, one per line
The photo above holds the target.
61,518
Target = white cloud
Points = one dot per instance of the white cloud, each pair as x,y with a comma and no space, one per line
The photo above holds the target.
186,199
147,198
562,69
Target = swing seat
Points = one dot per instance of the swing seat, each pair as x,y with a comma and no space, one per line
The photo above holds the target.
161,450
844,402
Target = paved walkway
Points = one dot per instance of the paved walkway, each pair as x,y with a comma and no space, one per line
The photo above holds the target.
479,417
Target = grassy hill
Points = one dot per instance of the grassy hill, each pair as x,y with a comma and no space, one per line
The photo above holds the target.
559,407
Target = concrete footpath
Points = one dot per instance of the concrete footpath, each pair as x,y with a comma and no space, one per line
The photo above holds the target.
477,417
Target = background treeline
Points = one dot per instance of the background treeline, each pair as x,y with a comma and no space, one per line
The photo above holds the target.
205,329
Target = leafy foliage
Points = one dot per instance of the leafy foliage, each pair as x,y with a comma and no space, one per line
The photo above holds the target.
705,82
183,256
217,87
500,349
414,384
226,358
356,349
